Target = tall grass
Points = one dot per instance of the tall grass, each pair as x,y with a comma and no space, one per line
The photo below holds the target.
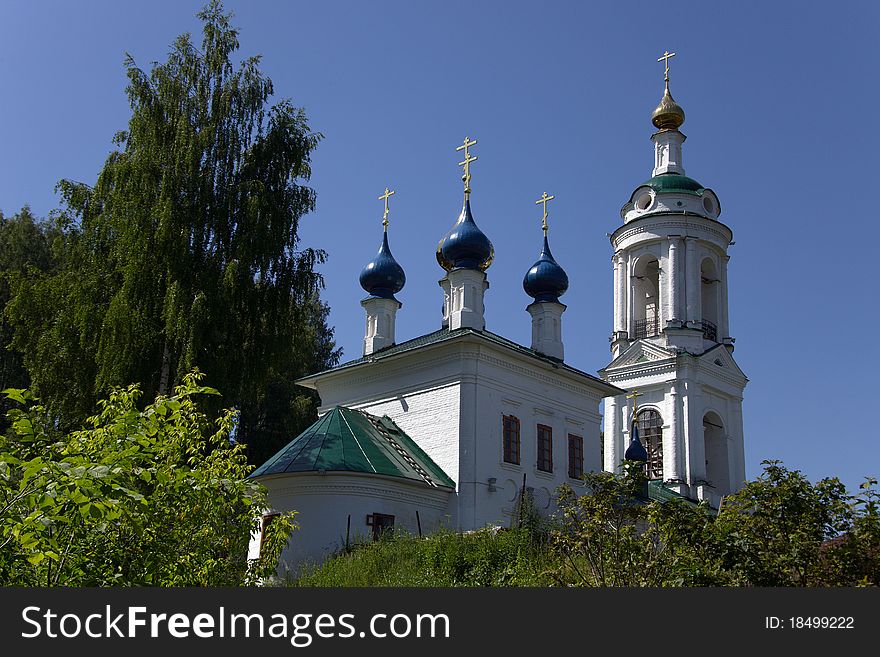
511,557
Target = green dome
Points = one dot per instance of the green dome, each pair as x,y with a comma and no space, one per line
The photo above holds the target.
674,183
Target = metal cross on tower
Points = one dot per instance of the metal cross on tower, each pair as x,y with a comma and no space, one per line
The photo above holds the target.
665,58
388,194
545,200
468,158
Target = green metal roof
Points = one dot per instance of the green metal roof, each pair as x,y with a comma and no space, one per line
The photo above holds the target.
444,334
674,183
657,490
347,440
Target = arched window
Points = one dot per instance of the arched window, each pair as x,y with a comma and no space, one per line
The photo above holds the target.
717,463
646,295
709,298
651,434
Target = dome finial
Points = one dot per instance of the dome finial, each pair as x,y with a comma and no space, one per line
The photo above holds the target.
465,246
668,115
388,194
545,280
665,59
545,200
636,451
468,158
383,277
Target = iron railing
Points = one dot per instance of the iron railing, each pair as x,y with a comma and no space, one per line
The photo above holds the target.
646,328
710,331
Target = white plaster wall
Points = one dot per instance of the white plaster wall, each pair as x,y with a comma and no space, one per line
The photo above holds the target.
534,397
324,503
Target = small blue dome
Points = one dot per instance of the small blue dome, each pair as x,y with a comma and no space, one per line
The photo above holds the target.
546,280
465,246
636,451
383,277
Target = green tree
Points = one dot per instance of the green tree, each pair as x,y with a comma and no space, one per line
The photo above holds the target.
186,251
139,497
772,532
853,558
612,536
25,252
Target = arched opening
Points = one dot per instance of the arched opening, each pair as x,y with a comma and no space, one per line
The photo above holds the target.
651,434
646,297
717,464
709,298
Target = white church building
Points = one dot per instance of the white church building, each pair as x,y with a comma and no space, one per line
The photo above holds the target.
453,428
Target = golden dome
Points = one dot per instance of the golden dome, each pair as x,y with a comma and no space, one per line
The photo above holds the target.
669,115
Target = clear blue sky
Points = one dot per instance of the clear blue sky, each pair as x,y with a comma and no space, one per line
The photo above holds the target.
781,101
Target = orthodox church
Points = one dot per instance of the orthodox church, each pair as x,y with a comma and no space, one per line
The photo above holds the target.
456,427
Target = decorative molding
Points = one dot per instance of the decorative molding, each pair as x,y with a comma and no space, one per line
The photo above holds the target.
628,230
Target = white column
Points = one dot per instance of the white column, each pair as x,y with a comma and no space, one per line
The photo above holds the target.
692,283
466,290
673,278
671,445
613,452
724,328
619,294
381,318
447,300
547,328
630,295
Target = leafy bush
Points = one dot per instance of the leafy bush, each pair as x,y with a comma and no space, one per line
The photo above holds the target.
152,497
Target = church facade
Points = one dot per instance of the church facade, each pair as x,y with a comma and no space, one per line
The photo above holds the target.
456,427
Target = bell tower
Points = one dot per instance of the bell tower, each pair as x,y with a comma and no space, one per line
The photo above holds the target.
671,334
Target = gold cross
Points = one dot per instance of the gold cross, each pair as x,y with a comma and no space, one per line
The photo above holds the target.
634,396
468,158
665,58
545,200
388,194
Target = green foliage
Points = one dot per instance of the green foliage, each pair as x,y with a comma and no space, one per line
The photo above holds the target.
138,497
488,557
779,530
614,537
25,253
186,251
772,532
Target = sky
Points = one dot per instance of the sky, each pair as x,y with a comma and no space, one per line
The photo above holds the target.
781,101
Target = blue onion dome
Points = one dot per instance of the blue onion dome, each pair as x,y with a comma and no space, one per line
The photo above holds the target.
636,451
383,277
546,280
465,246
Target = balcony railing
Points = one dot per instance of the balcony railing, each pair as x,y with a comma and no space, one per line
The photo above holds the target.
710,331
646,328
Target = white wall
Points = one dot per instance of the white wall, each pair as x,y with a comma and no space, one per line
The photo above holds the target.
324,503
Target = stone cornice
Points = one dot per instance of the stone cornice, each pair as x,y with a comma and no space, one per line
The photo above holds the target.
671,223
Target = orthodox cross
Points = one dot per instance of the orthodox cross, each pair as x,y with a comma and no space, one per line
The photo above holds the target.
665,58
468,158
388,194
545,200
634,396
